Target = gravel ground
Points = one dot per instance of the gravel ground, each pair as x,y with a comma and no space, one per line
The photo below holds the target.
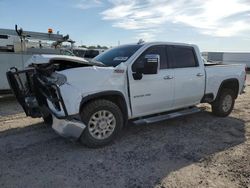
199,150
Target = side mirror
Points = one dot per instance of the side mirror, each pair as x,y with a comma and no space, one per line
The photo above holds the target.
148,65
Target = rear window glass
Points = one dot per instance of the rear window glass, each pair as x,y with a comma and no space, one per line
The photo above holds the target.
183,57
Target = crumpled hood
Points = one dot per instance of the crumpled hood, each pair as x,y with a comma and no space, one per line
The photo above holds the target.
46,58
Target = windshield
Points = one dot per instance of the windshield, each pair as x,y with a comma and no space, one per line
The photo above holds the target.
117,55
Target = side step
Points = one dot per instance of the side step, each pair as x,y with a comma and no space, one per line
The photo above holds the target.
162,117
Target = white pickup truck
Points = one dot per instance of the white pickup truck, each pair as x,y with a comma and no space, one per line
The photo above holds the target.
144,82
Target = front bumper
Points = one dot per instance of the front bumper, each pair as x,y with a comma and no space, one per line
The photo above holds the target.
68,128
64,124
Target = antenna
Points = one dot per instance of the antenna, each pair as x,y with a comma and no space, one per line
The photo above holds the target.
141,41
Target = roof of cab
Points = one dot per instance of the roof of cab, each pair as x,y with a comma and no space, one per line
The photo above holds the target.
167,43
160,43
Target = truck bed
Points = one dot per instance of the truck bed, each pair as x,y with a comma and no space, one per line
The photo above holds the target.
217,73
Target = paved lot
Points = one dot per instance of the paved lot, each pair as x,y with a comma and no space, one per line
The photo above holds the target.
197,150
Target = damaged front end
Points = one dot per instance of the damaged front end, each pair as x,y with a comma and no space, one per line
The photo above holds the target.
22,85
37,89
33,87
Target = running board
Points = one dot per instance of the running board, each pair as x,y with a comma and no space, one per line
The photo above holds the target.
162,117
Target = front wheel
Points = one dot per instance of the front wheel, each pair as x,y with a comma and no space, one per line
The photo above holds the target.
223,106
103,120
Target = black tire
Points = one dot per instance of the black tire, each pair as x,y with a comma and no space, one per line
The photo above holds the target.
92,108
48,120
217,105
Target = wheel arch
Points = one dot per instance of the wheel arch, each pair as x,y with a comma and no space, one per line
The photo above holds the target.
231,83
114,96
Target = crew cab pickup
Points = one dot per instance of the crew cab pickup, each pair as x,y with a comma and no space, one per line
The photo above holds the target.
144,82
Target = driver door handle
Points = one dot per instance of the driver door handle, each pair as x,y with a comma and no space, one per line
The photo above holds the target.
199,74
168,77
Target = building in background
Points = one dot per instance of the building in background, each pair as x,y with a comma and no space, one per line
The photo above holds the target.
228,57
17,46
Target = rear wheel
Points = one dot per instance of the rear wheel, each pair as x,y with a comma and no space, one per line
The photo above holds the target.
223,106
103,120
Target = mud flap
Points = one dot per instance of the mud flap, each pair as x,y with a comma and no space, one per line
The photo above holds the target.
21,84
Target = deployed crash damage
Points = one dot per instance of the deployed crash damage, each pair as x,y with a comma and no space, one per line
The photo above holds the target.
38,87
144,82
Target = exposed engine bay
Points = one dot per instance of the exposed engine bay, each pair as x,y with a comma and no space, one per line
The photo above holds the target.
39,82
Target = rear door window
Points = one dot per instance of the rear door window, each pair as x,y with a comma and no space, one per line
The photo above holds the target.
182,57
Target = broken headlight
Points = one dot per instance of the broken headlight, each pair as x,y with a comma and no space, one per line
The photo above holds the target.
59,79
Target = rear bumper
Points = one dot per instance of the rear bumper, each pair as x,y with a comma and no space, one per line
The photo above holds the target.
68,128
243,89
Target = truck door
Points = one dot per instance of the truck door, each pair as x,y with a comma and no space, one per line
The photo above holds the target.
152,93
189,76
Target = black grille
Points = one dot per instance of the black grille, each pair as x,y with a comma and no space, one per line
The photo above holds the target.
21,83
47,90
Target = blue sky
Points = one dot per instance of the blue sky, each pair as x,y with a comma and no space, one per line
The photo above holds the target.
215,25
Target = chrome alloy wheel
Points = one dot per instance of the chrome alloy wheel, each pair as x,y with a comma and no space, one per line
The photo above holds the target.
227,103
102,124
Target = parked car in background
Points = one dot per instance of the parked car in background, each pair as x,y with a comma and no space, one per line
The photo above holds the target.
92,53
144,82
66,52
87,53
79,52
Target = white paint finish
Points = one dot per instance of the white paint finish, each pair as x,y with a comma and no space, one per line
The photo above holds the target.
189,83
8,60
86,81
46,58
185,89
188,87
68,93
152,93
10,41
215,75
